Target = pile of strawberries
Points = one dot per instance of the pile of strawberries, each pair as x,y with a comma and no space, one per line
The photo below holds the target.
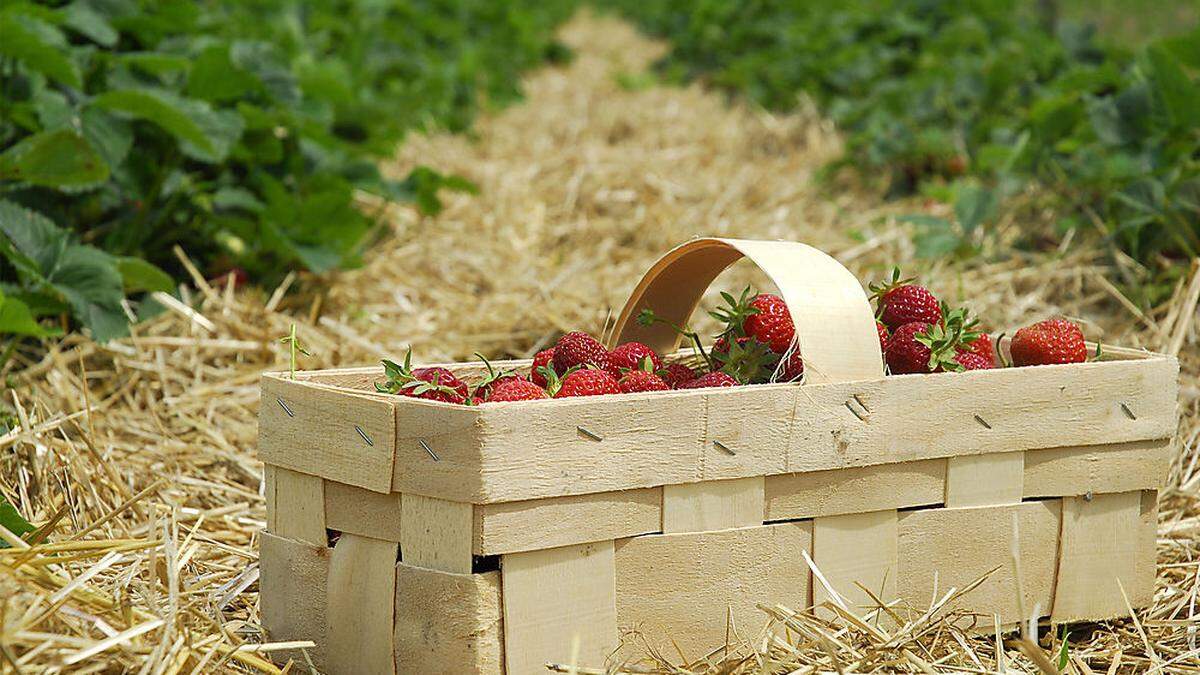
919,334
757,344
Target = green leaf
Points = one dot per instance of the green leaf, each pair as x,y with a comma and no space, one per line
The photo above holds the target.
48,260
17,319
1179,94
39,46
214,77
12,521
974,206
110,135
80,16
140,275
58,159
159,107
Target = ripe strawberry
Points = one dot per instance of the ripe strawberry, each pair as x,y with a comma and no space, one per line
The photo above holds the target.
675,374
973,361
544,358
442,376
629,356
434,384
884,337
983,347
587,382
576,349
901,302
791,368
767,303
1048,342
517,390
905,353
641,380
713,379
776,331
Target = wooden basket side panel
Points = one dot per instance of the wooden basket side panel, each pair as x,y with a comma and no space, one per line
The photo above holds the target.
1113,467
360,606
292,581
448,624
688,588
322,431
1099,557
946,548
855,490
512,527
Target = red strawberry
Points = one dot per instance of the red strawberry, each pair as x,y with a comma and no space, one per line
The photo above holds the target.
973,361
884,337
516,390
675,374
713,379
774,330
1048,342
640,380
629,356
905,354
790,368
442,376
901,302
542,358
577,349
983,347
587,382
767,303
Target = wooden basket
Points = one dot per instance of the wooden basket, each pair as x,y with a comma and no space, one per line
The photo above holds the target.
497,538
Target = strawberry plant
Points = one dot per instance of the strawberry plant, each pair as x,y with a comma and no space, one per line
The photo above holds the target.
240,131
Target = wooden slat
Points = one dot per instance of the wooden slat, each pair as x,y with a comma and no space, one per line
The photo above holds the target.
745,435
435,533
555,601
1099,550
944,548
855,490
361,596
1142,592
319,436
510,527
659,439
712,505
853,549
683,589
292,581
985,480
268,490
299,506
361,511
448,624
1117,467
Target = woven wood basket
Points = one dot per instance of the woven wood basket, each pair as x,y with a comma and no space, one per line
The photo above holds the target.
410,536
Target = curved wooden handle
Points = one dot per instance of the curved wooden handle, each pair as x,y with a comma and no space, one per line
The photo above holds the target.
834,322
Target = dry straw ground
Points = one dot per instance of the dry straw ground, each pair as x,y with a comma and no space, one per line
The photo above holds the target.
140,453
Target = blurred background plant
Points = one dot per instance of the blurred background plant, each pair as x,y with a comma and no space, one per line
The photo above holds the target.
242,132
974,102
249,133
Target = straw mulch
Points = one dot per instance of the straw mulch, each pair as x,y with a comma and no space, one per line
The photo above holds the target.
138,459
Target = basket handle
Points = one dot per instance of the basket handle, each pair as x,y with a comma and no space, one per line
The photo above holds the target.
833,318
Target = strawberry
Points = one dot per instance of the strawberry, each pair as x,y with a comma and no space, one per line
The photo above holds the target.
767,303
763,317
629,356
884,337
901,302
442,376
1048,342
543,359
905,353
577,349
776,331
675,374
587,382
983,347
790,368
713,379
517,390
973,361
720,348
434,384
485,387
641,380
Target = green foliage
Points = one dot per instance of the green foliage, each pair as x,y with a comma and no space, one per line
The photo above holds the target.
13,521
929,89
240,131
